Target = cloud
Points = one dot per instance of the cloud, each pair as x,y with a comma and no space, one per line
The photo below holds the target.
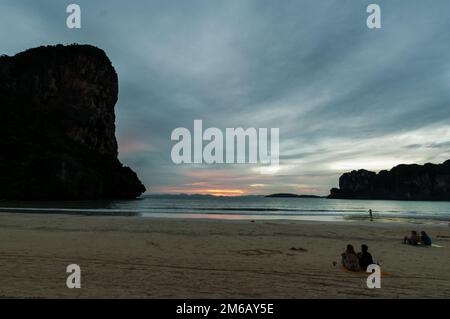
342,95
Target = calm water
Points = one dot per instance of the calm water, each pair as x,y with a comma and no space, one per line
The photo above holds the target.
252,207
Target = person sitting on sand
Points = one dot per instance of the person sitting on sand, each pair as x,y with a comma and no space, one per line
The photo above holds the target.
365,258
425,239
414,239
350,259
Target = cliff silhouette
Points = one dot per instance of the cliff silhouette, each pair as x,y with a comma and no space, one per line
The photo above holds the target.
403,182
57,126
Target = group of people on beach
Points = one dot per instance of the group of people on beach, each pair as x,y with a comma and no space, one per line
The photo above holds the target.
357,261
360,261
414,239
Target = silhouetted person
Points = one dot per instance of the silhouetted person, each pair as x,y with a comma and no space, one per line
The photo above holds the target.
350,259
370,214
425,239
365,258
414,239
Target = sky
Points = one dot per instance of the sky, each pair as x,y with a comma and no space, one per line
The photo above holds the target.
343,96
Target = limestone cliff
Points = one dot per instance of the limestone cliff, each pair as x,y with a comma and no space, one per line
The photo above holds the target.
57,131
403,182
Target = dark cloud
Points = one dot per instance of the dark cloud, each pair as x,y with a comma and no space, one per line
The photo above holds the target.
343,96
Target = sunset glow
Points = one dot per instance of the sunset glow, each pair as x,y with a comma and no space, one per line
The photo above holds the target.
225,192
202,191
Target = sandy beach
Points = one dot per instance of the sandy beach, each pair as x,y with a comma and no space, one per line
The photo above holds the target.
133,257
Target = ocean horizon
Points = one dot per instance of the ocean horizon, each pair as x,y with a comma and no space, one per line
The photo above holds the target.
252,207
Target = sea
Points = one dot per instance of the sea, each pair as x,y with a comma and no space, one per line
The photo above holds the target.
244,208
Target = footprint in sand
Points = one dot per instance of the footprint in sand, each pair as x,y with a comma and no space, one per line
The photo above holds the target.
299,249
259,252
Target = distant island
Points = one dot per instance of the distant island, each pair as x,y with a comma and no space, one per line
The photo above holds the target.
289,195
403,182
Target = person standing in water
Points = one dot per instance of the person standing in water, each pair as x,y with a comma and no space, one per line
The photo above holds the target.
370,214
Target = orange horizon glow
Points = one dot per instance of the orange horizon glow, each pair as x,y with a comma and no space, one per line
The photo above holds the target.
208,191
225,192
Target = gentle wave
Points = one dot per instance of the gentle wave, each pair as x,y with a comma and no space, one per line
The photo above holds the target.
221,211
241,207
